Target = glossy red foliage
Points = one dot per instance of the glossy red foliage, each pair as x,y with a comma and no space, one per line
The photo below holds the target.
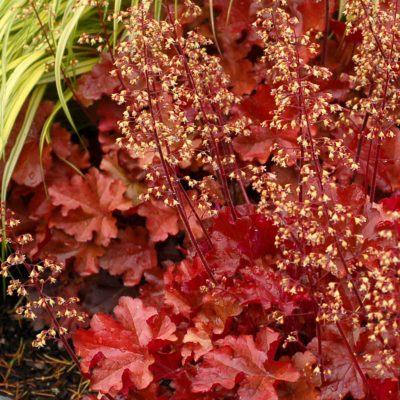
210,305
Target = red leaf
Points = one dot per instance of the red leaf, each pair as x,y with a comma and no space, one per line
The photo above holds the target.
129,255
339,29
161,220
241,356
197,342
28,170
257,146
306,387
182,286
344,378
259,285
98,83
88,204
258,106
66,150
64,247
113,164
182,385
237,32
109,114
238,243
237,37
218,307
123,345
242,74
387,389
311,13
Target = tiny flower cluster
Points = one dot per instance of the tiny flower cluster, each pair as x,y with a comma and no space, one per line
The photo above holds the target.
178,104
38,276
319,231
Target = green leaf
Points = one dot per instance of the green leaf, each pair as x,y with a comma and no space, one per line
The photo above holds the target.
157,9
9,167
212,21
342,4
228,14
6,33
22,87
78,69
45,134
117,9
62,44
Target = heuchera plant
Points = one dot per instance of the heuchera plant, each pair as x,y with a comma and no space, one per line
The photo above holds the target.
270,175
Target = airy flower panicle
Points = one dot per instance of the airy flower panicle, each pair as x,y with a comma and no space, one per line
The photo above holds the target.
39,275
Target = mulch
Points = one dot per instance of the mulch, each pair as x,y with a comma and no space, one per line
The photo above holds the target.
29,373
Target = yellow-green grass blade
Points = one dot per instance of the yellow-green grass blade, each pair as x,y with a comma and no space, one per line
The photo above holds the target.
72,166
62,44
28,81
228,14
15,79
4,70
157,9
342,4
78,69
212,22
117,9
45,134
53,12
7,10
9,167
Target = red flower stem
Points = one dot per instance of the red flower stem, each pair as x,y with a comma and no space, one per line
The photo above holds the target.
315,311
360,141
304,112
55,322
107,39
375,173
379,145
214,144
194,241
63,339
301,167
173,172
241,183
321,360
367,166
232,152
164,163
54,319
363,126
188,200
318,327
46,37
326,34
376,39
353,357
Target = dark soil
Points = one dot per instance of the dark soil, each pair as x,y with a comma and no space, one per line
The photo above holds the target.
29,373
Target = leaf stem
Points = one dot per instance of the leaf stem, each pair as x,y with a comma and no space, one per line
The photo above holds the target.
326,34
353,357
